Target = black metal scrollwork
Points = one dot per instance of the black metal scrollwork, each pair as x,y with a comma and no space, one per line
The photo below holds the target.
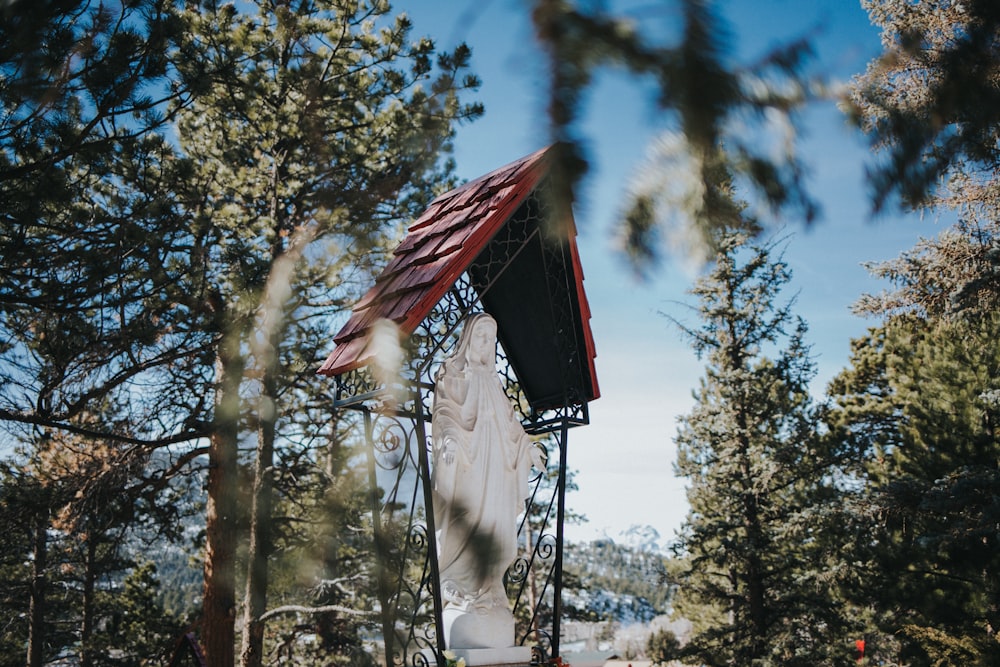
546,547
390,444
517,572
541,647
417,537
400,455
419,659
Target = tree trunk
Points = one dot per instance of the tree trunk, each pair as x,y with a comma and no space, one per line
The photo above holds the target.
266,353
756,586
219,614
255,600
87,623
39,584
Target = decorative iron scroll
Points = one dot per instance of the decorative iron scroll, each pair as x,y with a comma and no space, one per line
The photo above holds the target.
399,465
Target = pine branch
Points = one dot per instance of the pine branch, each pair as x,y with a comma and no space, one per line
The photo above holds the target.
324,609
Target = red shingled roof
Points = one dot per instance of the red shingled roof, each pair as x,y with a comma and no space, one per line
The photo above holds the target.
439,246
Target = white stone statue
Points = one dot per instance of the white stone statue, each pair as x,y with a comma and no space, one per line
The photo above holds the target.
482,458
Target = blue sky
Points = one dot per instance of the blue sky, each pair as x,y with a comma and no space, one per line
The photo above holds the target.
624,458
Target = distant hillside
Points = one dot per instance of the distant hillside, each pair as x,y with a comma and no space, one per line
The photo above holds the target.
616,581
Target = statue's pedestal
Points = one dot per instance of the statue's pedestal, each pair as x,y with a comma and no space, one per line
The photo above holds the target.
478,628
483,636
511,656
488,657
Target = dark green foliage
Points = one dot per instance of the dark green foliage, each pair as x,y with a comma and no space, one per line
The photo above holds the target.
754,554
88,242
930,102
615,582
138,630
919,400
97,604
191,193
662,647
20,502
700,91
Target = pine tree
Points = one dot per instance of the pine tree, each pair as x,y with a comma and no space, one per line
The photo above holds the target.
920,401
86,238
930,102
189,282
662,647
753,549
925,105
92,345
699,91
322,131
919,397
24,513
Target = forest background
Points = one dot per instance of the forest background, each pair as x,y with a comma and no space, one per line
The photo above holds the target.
193,194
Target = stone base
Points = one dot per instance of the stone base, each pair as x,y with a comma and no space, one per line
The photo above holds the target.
482,628
511,656
488,657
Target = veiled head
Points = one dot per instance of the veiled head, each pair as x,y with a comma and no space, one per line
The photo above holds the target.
477,345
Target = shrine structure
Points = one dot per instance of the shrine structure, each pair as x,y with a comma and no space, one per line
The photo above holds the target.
496,245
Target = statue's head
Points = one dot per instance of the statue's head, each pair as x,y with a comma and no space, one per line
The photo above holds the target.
482,341
477,346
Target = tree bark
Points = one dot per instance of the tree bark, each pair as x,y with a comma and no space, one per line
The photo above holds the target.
266,353
39,584
219,614
255,600
87,623
756,586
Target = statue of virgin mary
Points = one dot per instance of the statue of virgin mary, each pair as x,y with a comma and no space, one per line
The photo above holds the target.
481,463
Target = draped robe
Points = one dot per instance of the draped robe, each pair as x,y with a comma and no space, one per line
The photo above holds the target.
482,458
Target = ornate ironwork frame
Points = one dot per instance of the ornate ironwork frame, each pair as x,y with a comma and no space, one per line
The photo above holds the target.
396,424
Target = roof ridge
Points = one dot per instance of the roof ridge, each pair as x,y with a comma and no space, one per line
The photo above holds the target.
441,245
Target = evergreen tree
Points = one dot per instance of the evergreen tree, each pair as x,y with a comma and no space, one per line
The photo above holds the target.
190,281
919,397
954,275
91,345
925,104
662,647
82,82
754,551
15,579
930,102
24,513
321,132
700,90
139,631
85,234
80,509
920,402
